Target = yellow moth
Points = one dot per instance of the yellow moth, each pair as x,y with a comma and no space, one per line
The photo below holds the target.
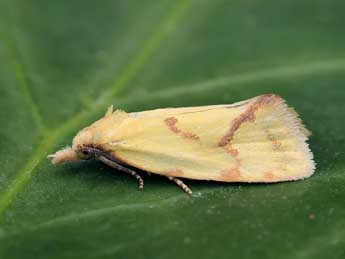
257,140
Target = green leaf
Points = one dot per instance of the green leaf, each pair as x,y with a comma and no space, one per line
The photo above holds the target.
63,62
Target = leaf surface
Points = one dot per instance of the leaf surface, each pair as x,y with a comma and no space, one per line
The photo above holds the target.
63,62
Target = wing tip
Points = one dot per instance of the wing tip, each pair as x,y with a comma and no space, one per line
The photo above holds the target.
280,103
299,131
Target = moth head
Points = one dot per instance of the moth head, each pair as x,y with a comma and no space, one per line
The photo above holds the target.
95,135
64,155
80,150
69,155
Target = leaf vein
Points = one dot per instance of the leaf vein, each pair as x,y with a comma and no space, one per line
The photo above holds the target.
321,67
153,43
21,76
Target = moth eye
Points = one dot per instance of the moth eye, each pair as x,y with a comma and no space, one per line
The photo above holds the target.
84,154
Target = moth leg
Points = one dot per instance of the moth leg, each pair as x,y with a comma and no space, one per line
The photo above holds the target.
181,184
119,167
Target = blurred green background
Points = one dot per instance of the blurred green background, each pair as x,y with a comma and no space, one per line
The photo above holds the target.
63,62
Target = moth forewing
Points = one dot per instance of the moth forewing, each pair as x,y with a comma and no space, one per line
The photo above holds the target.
257,140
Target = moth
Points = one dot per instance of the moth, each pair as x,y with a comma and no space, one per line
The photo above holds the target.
259,140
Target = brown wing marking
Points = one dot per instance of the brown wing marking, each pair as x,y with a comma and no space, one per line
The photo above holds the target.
171,123
247,116
234,174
